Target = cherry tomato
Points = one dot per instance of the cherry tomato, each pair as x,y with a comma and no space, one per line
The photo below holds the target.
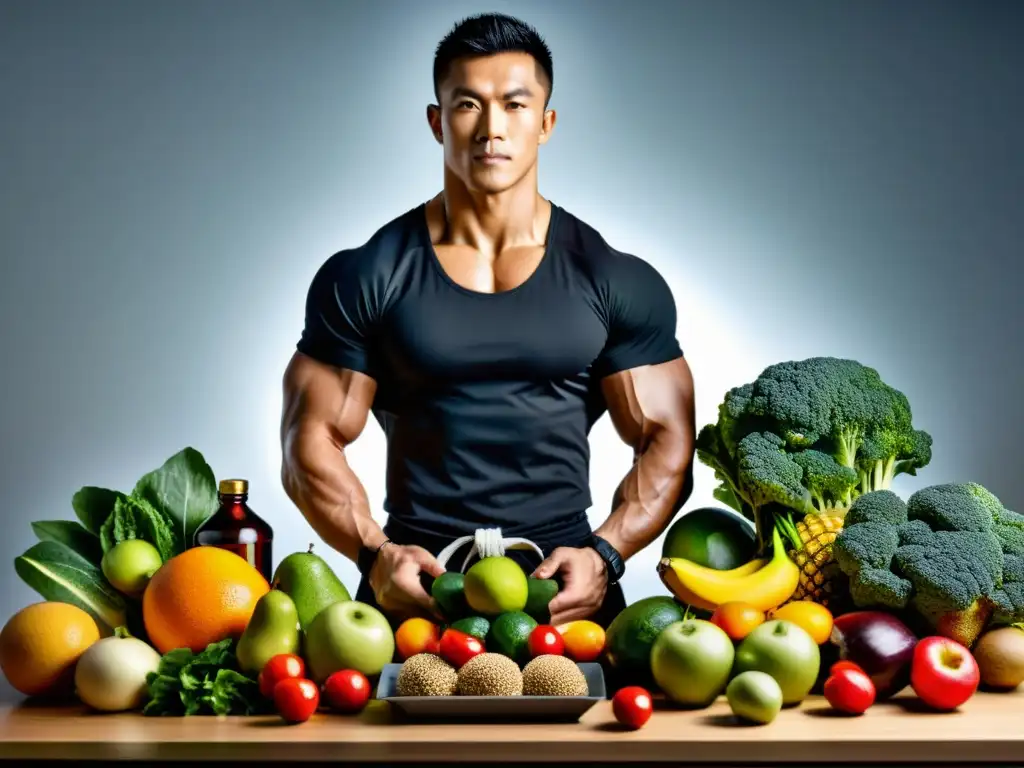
283,666
459,647
850,691
943,673
545,639
632,706
347,691
296,699
844,664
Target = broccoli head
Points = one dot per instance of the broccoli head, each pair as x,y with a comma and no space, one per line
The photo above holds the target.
810,435
940,555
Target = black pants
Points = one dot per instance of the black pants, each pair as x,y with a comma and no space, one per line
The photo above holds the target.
571,535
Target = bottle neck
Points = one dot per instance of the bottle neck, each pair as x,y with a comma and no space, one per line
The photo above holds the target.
234,504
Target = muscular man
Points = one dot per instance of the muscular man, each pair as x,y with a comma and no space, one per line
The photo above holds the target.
487,329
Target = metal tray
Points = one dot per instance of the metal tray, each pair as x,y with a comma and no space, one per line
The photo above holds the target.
494,708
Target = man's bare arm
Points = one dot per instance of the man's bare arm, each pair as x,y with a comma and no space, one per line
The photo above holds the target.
325,410
652,409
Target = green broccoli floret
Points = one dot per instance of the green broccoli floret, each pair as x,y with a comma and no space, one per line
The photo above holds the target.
941,555
846,431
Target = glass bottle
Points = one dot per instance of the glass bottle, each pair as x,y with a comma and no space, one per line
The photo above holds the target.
236,528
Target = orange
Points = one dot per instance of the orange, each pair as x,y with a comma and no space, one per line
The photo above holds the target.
814,618
584,640
737,619
202,596
416,636
40,645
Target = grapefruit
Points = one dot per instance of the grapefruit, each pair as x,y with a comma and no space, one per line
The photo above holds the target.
201,596
41,644
495,585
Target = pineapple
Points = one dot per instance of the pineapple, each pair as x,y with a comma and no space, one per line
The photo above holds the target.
820,577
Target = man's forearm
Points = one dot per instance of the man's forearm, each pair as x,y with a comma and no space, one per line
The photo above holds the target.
650,495
320,482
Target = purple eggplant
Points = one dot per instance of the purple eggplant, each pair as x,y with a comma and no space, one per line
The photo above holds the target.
880,644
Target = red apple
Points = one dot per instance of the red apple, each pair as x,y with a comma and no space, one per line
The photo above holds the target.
943,673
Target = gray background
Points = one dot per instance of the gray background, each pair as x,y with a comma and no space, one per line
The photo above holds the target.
811,178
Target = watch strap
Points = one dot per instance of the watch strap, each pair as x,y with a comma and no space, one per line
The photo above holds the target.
612,559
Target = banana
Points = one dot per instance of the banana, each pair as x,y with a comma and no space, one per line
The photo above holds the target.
744,570
706,588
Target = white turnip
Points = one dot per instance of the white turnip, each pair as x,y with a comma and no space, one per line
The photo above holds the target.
111,675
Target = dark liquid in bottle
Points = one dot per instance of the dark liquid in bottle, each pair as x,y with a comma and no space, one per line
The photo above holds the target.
236,528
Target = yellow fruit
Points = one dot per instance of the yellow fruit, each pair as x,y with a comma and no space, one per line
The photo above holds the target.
705,588
40,645
202,596
584,640
746,569
812,617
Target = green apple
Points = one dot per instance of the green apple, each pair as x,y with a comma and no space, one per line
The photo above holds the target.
691,661
784,651
129,564
348,634
754,696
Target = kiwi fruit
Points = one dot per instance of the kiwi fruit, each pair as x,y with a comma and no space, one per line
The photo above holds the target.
1000,657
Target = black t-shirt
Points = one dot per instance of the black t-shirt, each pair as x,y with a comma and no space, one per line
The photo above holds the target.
487,400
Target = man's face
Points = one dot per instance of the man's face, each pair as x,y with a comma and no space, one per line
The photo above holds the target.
492,119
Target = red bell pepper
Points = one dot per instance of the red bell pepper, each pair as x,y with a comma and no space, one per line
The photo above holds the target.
459,647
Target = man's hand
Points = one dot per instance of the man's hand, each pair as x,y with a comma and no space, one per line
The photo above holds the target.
584,580
395,581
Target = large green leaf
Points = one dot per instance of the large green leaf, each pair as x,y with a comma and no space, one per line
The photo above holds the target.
73,534
93,506
60,574
136,518
184,490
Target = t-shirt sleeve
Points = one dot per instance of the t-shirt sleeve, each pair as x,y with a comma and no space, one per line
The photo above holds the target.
641,314
340,315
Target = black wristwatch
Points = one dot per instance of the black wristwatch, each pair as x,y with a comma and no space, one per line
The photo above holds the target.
612,559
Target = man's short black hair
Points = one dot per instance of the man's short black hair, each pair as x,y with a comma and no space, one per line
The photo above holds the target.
487,34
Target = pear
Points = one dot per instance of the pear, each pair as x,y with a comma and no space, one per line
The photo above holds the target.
310,583
272,629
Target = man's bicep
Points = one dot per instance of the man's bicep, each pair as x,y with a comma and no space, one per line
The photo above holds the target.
654,402
324,400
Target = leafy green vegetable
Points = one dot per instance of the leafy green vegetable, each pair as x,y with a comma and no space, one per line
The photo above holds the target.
165,508
93,506
71,534
135,518
60,574
183,489
207,683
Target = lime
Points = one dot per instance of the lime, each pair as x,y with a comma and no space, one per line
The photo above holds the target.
447,590
510,635
129,564
477,626
495,585
754,696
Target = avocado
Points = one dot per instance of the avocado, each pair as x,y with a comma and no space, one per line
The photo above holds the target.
477,626
310,583
631,634
540,593
448,590
711,536
272,629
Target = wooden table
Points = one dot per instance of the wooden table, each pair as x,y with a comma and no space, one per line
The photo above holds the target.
988,729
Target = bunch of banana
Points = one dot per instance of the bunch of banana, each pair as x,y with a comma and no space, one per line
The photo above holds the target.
763,584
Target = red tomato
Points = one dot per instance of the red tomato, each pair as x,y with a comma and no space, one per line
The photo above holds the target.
844,664
459,647
632,706
545,639
283,666
850,691
296,699
347,691
943,673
